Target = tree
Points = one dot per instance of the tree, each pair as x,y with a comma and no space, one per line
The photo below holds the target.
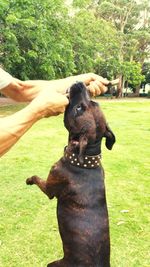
132,74
49,39
146,72
122,15
34,39
125,15
95,44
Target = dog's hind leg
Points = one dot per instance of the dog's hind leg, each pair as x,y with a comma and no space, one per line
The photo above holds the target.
59,263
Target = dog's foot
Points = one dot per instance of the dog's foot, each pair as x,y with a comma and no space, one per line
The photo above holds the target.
31,180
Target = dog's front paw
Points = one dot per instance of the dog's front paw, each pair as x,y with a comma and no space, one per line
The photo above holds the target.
31,180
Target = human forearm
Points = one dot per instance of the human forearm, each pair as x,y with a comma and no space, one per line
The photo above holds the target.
26,91
14,126
62,85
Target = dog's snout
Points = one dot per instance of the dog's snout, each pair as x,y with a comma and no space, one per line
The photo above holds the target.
78,90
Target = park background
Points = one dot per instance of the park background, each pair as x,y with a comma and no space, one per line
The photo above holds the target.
54,39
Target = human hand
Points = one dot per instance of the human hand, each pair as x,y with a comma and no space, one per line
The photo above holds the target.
96,84
49,103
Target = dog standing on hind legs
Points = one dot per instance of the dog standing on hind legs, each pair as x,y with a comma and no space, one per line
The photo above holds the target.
77,181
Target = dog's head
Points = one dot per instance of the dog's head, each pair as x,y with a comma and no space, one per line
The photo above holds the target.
85,123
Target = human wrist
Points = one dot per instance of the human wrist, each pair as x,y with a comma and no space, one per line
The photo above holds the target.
42,107
85,78
34,112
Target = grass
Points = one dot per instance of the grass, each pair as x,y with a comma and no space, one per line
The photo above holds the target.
28,226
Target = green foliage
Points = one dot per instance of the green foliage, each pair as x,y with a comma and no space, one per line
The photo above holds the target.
146,72
143,45
121,13
95,43
131,19
132,73
35,41
49,39
81,4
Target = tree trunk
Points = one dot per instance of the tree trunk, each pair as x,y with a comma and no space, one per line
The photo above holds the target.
137,90
119,87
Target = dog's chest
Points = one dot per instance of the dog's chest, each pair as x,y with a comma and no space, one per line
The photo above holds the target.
84,188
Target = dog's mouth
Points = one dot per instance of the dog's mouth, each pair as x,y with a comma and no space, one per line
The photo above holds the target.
74,140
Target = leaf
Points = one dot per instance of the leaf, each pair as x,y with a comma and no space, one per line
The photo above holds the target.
124,211
120,223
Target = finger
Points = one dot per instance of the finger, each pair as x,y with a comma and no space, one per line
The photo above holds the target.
55,113
62,99
67,95
102,80
102,87
52,114
97,88
91,89
95,77
66,100
60,111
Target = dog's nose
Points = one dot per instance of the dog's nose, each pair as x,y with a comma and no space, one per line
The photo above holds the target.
77,89
77,84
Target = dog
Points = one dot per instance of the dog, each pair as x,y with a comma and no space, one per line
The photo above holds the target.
77,181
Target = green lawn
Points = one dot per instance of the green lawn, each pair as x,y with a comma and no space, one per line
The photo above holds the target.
28,226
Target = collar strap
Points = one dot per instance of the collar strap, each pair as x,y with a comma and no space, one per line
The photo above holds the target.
89,162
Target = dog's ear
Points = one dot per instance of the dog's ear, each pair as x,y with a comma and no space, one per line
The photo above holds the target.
110,138
83,140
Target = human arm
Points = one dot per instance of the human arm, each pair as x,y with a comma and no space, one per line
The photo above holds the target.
23,91
14,126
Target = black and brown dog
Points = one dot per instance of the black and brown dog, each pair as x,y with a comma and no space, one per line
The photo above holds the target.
77,181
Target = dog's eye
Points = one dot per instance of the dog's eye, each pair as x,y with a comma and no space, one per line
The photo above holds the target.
79,108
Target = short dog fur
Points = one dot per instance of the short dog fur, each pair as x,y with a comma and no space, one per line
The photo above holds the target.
79,187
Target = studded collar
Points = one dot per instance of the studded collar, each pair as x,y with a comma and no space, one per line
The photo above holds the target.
89,162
